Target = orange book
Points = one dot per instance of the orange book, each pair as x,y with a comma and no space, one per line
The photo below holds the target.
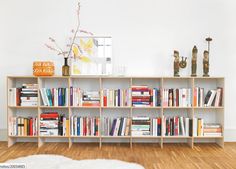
25,127
195,97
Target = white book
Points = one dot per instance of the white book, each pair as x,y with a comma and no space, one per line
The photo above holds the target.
182,126
12,97
154,97
213,93
29,103
75,125
71,125
218,95
123,127
212,134
117,127
186,126
195,122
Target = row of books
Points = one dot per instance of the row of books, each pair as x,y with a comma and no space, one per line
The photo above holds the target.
26,95
116,98
54,96
80,97
207,129
177,126
116,127
145,126
21,126
177,97
53,124
213,97
84,126
143,96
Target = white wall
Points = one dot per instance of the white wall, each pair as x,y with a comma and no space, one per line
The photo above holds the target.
145,33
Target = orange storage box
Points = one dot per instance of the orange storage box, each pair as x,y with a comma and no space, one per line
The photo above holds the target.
43,68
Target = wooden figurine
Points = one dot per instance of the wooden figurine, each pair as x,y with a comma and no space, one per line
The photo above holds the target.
205,63
194,61
176,63
183,62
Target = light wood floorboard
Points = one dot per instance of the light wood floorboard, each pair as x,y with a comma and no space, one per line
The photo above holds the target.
151,156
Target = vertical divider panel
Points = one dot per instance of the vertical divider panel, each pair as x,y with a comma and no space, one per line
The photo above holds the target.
162,113
69,112
40,142
100,113
11,140
131,113
191,140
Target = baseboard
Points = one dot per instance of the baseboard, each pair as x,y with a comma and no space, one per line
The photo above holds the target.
230,135
3,134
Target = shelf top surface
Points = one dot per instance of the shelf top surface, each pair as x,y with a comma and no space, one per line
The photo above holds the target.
117,77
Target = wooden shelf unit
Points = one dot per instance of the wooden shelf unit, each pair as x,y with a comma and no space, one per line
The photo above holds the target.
103,82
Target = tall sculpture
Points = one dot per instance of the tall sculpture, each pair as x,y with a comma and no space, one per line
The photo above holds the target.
194,61
206,63
176,63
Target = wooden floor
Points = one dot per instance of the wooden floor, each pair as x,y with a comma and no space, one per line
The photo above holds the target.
149,155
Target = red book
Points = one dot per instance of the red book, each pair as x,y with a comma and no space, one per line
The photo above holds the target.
140,97
176,126
84,126
151,94
49,115
141,100
177,97
18,91
105,101
31,126
139,89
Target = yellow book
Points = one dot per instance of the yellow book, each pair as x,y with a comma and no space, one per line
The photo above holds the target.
25,127
199,127
67,127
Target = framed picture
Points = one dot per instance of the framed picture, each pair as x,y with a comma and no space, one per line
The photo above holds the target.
91,55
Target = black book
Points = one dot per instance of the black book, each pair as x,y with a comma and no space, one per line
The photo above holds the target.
120,127
208,95
190,127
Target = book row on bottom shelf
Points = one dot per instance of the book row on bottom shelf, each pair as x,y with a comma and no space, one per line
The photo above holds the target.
57,124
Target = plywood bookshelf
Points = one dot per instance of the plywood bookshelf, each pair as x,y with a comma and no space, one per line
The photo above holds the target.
99,82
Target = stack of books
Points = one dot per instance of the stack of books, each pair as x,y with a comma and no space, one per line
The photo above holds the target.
49,124
177,97
84,126
119,97
212,129
116,127
21,126
141,126
79,97
177,126
212,98
143,96
54,96
29,95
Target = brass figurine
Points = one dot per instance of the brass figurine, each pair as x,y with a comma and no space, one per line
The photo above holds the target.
194,61
206,58
205,63
183,62
176,63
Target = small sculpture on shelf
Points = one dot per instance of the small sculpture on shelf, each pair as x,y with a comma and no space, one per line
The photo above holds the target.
194,61
206,58
206,63
183,62
176,63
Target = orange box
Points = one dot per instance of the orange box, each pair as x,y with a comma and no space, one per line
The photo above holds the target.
41,68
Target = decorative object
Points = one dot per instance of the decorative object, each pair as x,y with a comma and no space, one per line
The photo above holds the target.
61,162
194,61
206,63
43,68
176,63
183,62
91,56
66,53
65,68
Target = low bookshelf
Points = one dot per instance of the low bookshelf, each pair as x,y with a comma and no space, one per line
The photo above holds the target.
74,108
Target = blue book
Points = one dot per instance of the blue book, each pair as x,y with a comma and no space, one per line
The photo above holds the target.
49,95
78,126
59,97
